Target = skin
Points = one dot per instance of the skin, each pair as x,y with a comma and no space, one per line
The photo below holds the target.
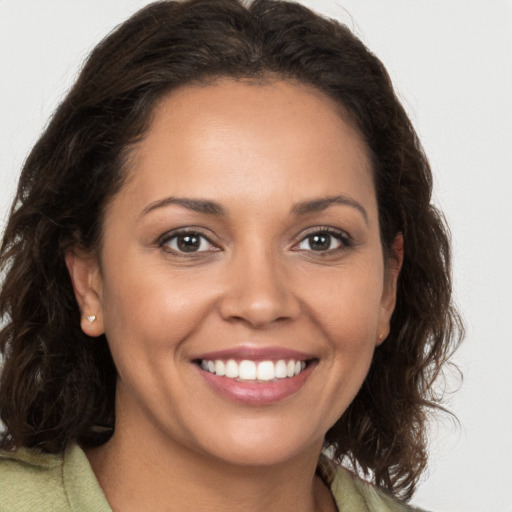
257,151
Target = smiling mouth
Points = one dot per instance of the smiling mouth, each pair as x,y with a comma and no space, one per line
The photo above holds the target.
254,371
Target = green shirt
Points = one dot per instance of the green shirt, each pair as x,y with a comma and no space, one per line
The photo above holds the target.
31,481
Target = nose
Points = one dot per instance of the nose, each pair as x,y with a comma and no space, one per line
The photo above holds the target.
259,292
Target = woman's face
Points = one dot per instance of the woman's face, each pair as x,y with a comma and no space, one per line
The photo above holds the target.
245,241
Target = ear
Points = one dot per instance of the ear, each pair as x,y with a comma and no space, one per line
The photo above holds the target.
392,269
84,271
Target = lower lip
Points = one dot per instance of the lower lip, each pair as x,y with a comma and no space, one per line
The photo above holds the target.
257,393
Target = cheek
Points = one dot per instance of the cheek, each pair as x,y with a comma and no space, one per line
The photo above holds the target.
151,309
347,304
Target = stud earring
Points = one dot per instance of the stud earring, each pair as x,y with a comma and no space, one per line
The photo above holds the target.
91,318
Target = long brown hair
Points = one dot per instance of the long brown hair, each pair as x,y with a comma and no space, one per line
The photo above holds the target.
57,384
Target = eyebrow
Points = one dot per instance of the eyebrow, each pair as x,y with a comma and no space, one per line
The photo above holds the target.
322,203
214,208
196,205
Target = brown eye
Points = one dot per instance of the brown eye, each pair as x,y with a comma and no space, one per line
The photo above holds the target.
322,241
188,243
319,242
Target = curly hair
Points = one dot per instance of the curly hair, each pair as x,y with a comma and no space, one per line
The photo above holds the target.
57,384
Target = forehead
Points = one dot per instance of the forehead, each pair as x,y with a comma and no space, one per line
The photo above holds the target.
239,139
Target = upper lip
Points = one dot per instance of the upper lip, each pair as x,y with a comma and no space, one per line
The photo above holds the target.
255,354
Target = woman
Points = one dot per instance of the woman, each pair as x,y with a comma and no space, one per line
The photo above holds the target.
223,276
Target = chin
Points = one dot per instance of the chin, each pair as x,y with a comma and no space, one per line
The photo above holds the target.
265,445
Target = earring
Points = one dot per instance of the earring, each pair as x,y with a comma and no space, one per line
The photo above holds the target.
91,318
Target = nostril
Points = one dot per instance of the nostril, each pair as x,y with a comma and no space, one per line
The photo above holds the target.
258,296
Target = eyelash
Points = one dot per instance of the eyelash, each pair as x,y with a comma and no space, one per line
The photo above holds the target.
340,236
165,241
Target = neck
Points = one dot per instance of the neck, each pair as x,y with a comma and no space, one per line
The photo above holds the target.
141,472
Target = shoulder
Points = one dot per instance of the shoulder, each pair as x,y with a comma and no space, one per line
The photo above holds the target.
352,494
31,481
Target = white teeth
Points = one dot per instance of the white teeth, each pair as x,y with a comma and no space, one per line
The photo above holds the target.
248,370
281,370
220,368
231,369
266,371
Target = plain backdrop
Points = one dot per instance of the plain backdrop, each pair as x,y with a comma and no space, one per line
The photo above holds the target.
451,62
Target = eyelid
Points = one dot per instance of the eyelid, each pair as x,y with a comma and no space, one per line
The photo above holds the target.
186,230
344,237
340,234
